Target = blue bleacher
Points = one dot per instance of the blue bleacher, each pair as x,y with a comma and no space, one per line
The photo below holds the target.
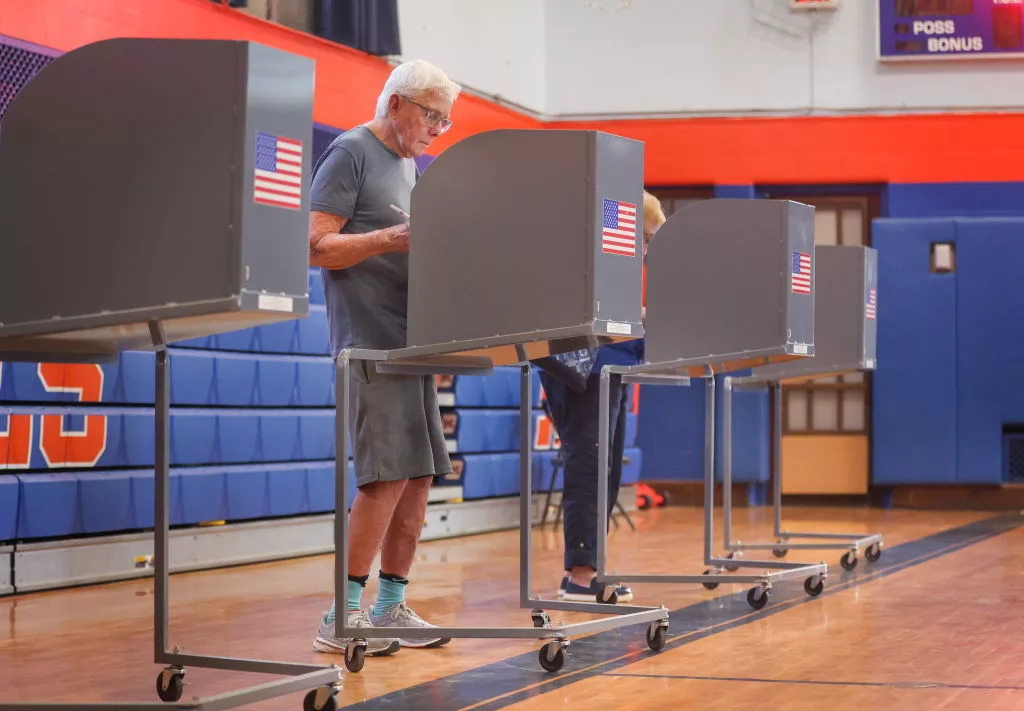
69,504
478,431
485,476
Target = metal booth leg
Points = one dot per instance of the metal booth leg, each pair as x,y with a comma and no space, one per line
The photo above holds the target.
554,637
170,681
713,576
852,543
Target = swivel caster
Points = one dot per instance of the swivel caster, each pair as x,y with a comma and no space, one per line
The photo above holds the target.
321,699
814,585
541,619
355,655
710,586
170,684
733,555
757,597
780,552
656,635
874,552
848,561
552,656
608,595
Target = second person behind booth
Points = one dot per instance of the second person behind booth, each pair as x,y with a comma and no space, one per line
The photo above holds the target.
575,415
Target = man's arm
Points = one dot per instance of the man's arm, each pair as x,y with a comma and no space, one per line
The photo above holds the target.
332,250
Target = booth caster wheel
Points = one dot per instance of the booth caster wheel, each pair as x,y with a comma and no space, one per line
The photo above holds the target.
657,632
874,552
780,552
552,656
848,561
814,585
710,586
170,684
321,699
541,619
608,596
733,555
757,597
355,655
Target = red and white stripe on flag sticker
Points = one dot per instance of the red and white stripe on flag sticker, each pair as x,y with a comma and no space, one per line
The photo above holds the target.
278,174
801,278
618,228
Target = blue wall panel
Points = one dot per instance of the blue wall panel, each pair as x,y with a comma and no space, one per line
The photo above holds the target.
914,388
990,343
921,200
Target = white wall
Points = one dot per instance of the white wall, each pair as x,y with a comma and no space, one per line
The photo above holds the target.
494,46
589,57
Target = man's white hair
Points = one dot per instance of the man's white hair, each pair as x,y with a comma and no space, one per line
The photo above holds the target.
412,78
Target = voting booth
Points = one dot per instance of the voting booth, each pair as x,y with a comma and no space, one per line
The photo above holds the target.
138,212
730,286
527,243
845,337
524,244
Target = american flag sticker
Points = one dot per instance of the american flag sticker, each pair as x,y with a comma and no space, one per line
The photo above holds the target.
278,176
871,308
618,228
801,278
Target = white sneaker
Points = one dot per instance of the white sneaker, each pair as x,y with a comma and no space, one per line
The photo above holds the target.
401,616
376,647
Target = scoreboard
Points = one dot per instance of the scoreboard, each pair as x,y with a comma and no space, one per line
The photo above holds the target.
950,29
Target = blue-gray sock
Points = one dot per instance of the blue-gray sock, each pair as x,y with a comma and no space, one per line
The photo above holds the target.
390,593
355,594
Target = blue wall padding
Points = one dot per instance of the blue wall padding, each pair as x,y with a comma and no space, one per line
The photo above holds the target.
914,390
990,343
923,200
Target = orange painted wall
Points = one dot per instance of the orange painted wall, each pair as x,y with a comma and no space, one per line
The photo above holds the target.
848,149
929,148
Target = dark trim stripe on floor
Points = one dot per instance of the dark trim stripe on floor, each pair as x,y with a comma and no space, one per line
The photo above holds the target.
825,682
500,684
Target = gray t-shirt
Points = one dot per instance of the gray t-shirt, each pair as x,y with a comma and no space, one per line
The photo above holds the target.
358,178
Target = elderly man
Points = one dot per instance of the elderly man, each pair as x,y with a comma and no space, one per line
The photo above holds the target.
361,245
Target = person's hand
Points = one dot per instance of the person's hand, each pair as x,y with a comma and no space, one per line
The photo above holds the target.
396,239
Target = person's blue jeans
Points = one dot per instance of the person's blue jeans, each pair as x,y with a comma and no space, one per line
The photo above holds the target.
575,417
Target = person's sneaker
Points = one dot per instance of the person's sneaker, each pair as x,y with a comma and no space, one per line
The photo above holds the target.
326,641
401,616
578,593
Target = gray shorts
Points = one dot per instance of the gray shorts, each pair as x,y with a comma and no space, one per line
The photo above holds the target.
396,426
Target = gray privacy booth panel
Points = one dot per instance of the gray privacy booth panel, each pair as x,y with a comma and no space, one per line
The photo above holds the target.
731,285
846,316
131,191
528,241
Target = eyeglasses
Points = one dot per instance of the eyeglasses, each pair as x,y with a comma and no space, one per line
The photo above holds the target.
434,118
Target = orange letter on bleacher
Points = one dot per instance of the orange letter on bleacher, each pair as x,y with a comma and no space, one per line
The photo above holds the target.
15,440
77,449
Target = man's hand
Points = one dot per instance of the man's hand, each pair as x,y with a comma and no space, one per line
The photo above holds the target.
333,250
396,239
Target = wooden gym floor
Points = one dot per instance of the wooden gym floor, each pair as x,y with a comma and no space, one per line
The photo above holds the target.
936,623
